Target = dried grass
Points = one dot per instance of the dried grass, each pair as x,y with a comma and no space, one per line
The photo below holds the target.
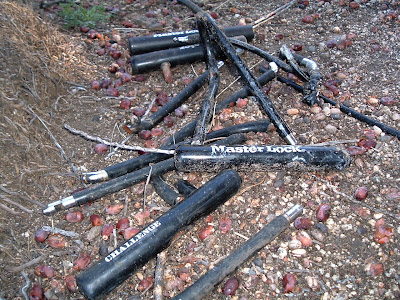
36,62
35,55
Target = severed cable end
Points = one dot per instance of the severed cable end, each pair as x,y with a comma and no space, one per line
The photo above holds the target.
94,177
59,205
52,207
293,212
274,67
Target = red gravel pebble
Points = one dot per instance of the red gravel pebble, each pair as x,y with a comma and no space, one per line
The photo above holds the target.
74,217
361,193
288,282
81,262
206,231
230,287
323,212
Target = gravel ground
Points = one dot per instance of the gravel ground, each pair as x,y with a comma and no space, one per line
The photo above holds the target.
352,254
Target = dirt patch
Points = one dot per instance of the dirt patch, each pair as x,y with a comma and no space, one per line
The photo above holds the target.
45,74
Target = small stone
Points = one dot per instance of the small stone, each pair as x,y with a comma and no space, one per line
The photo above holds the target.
322,227
299,252
327,111
258,262
282,253
362,230
320,117
93,233
292,111
318,235
304,238
377,130
373,101
388,101
295,244
312,282
395,116
316,109
330,129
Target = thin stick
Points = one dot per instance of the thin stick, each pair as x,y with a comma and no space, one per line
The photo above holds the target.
60,231
159,276
251,186
149,108
241,235
100,140
4,198
117,148
26,286
26,265
332,143
73,168
6,208
236,79
334,189
145,189
219,6
273,14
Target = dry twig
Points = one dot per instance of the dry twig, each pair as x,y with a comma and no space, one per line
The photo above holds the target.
26,265
26,286
73,168
159,276
60,231
273,13
145,189
21,196
333,143
100,140
149,108
6,208
9,201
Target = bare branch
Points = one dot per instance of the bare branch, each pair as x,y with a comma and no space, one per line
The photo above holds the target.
100,140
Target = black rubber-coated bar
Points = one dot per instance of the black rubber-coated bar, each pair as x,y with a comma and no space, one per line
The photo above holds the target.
147,62
167,193
349,111
116,267
207,106
184,187
246,75
262,53
111,186
160,41
256,126
207,282
142,161
164,190
259,158
157,117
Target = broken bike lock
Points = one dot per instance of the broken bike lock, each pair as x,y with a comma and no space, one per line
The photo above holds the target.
117,266
215,158
151,61
208,281
161,41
